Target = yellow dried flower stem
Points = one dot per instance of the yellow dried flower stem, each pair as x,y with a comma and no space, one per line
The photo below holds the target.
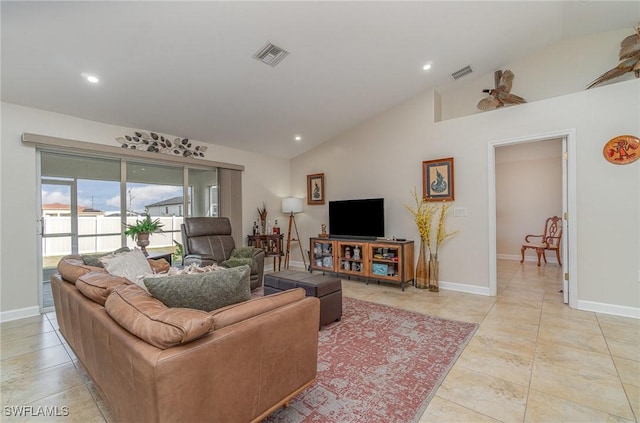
423,214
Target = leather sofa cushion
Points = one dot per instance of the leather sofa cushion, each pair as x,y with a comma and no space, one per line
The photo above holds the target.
150,320
235,313
97,286
71,267
202,291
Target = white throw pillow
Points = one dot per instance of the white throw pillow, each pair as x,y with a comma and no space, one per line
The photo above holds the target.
131,265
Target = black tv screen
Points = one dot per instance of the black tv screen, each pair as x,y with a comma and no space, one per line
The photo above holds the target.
357,218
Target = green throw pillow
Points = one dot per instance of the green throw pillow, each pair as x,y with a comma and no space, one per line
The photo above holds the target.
202,291
94,259
237,261
242,252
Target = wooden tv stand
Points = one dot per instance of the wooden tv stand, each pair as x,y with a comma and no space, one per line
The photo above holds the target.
381,260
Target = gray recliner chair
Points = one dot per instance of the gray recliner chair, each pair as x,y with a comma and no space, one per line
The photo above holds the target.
208,240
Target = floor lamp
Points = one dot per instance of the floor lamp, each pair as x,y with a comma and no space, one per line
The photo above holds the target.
292,205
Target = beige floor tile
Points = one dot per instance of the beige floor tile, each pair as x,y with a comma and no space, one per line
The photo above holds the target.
40,385
524,302
553,321
503,342
519,312
618,320
620,331
461,314
505,365
77,403
589,340
582,361
442,411
629,370
509,325
98,396
633,393
28,344
563,311
548,408
16,329
600,393
33,362
488,395
624,348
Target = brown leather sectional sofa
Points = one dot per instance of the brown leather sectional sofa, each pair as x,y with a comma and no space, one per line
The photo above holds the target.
235,364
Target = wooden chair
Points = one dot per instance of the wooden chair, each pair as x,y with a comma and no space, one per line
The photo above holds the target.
549,240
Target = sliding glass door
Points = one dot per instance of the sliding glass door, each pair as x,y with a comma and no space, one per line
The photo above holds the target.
86,201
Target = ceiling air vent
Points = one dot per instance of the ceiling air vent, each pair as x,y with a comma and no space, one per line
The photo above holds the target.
461,72
271,54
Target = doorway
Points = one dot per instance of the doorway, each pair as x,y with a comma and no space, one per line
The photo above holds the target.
568,247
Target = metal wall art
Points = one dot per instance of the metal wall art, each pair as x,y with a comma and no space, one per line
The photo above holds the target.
155,143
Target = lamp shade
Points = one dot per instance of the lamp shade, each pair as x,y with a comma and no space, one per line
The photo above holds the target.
291,205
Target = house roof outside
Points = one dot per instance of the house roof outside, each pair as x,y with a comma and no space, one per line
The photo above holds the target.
168,202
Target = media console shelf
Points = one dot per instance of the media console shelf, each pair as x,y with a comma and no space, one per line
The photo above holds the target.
381,260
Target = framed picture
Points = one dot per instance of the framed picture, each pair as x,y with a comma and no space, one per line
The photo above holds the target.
315,189
437,180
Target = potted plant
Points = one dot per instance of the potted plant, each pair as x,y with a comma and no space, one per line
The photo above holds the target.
141,230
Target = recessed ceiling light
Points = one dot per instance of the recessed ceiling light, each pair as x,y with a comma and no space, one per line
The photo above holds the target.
427,66
298,138
91,78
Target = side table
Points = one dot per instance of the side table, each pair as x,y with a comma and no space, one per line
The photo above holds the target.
156,256
271,244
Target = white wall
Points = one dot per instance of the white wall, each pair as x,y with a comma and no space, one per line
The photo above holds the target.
528,191
562,68
382,158
265,179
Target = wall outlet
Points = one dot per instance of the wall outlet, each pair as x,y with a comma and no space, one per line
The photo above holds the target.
459,212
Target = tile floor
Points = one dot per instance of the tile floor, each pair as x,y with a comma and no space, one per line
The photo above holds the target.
532,359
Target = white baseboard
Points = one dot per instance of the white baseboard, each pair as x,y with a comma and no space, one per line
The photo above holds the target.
19,313
533,259
616,310
463,287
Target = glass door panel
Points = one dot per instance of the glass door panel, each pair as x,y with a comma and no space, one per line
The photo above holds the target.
203,193
57,223
158,191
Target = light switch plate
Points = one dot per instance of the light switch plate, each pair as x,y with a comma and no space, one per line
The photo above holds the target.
459,211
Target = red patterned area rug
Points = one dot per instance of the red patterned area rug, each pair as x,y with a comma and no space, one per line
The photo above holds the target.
379,364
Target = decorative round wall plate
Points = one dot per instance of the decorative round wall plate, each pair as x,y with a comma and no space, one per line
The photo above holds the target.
623,149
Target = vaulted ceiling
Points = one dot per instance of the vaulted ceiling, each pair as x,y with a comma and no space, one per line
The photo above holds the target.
187,68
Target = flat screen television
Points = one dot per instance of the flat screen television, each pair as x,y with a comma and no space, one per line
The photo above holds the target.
357,218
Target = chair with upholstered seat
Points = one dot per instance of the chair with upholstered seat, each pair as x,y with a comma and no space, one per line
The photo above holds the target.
549,240
208,240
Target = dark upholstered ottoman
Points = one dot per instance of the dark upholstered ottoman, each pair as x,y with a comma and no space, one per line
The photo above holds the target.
326,288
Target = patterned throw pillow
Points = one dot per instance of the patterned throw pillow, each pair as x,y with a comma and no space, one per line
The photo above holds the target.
131,265
94,259
237,261
242,252
202,291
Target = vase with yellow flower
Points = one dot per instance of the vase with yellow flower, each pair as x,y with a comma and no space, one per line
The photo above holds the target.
427,271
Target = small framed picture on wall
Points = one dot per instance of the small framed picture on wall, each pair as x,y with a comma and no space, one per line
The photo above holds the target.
315,189
437,180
